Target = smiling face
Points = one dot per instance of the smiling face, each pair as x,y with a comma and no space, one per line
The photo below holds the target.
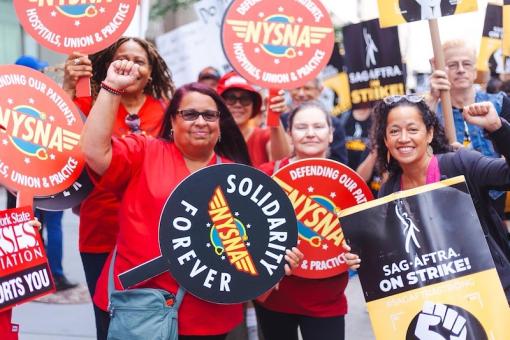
196,136
407,137
132,51
460,67
240,104
310,133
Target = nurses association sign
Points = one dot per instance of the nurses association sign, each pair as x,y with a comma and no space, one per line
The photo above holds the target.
277,44
75,25
24,270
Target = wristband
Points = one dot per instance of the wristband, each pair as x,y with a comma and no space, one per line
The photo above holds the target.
111,89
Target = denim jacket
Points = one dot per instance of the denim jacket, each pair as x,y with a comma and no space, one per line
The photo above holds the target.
476,134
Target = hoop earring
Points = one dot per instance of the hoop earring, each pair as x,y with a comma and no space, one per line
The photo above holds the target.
171,134
219,138
388,157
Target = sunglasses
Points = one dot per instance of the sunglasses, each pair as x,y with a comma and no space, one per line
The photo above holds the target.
133,122
244,99
412,98
192,114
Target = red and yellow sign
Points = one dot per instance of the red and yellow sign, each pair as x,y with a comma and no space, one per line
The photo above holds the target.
318,190
39,133
75,25
24,270
277,44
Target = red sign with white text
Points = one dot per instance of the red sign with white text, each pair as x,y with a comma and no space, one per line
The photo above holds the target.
277,44
318,190
75,25
24,269
39,133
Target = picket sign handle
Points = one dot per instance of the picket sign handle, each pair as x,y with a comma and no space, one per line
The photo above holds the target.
83,87
446,102
273,118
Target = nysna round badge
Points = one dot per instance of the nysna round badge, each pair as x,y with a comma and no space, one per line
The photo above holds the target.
318,189
225,230
75,25
277,44
39,133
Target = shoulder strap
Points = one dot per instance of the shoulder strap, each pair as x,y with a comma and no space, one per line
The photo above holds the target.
277,165
218,159
111,285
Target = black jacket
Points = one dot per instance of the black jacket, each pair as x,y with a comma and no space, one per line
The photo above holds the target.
482,174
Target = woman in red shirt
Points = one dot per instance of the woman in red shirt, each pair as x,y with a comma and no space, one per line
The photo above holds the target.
317,306
141,110
143,171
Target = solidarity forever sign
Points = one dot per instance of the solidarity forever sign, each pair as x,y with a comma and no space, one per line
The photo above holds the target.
318,190
277,44
395,12
426,270
39,134
66,26
374,63
490,56
223,234
24,270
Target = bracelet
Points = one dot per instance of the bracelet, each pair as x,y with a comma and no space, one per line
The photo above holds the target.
111,89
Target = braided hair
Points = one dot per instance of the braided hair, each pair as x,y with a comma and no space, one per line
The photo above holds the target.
160,87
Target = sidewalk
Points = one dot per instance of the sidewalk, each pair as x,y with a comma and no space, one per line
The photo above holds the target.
46,321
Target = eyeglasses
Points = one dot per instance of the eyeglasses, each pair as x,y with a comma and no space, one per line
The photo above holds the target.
413,98
244,99
192,114
132,120
455,65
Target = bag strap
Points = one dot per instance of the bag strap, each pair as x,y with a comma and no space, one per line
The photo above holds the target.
111,285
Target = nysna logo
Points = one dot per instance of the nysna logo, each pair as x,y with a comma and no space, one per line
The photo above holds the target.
73,8
370,48
228,234
409,228
316,215
33,133
279,35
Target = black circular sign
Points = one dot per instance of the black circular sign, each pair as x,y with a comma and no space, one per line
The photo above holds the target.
443,321
224,231
68,198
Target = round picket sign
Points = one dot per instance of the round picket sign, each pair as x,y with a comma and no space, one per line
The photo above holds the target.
39,134
319,188
66,26
277,44
224,231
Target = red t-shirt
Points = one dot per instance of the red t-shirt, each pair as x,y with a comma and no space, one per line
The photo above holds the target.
256,144
310,297
144,171
98,212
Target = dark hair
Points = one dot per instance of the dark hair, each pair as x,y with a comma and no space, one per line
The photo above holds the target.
307,105
439,142
161,86
231,145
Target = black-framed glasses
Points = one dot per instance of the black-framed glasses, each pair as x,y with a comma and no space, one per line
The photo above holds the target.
413,98
244,99
192,114
132,120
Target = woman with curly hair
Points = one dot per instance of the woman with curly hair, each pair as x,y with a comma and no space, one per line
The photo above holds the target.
412,147
141,111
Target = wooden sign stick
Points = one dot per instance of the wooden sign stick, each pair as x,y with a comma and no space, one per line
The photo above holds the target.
446,102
